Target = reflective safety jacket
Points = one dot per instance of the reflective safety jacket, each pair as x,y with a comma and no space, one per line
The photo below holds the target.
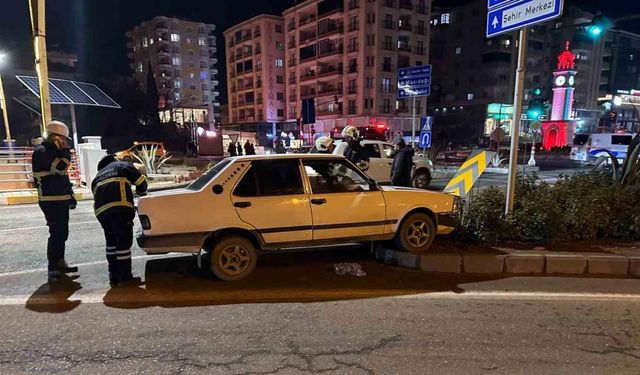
112,188
358,156
49,166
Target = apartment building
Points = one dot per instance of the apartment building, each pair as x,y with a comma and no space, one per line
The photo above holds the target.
255,71
346,53
182,56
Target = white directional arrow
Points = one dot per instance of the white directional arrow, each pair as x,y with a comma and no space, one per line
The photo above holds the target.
495,22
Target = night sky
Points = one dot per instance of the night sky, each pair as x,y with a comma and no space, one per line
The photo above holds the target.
95,29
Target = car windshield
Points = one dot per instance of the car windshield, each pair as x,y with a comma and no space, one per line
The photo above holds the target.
580,139
203,180
620,140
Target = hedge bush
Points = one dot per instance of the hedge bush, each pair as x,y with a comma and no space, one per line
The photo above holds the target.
581,207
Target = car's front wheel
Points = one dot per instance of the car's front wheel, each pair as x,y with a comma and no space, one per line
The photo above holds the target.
421,179
416,233
233,258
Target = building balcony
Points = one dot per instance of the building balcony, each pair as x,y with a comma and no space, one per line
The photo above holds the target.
330,71
306,20
329,91
352,48
405,4
306,37
307,59
351,69
291,44
329,112
246,37
405,27
307,76
352,90
353,26
304,94
162,28
324,52
404,48
387,47
332,29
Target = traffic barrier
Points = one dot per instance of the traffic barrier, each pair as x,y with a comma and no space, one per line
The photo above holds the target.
468,174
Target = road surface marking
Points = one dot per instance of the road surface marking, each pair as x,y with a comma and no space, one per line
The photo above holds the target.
154,297
44,226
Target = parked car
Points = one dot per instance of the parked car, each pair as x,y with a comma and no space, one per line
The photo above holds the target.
248,204
127,155
381,155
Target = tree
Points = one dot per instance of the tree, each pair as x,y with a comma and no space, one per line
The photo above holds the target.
150,115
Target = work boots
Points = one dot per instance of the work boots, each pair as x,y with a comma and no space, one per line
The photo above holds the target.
65,268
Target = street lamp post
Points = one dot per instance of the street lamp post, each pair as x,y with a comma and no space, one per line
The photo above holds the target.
3,103
38,27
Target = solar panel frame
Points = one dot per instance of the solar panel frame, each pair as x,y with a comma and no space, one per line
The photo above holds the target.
70,92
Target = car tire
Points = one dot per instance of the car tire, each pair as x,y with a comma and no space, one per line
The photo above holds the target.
233,258
421,179
416,233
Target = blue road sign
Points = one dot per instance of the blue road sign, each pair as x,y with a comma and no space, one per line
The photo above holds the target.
521,13
496,3
425,131
414,81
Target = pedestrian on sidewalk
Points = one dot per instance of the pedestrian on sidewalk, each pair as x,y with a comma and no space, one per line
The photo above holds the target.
232,149
239,148
402,164
50,161
113,206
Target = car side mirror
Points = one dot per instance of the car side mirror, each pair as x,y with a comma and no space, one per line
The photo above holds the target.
217,189
373,185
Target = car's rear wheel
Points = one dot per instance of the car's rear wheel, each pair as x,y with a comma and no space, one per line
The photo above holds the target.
416,233
233,258
421,179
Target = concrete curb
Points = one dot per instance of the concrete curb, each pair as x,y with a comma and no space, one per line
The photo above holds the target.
32,197
557,264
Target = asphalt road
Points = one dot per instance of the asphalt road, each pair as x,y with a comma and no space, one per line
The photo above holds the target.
294,315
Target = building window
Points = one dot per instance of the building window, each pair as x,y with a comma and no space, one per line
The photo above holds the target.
507,42
188,40
203,75
177,84
177,96
388,22
203,64
371,61
175,60
631,57
470,96
192,75
139,68
279,79
280,46
352,86
278,28
189,30
386,85
280,112
202,41
190,53
458,50
151,41
280,95
445,18
371,18
279,63
145,42
388,43
175,37
192,87
371,40
352,107
386,106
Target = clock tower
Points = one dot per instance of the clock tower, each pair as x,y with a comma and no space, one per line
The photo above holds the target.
559,131
563,85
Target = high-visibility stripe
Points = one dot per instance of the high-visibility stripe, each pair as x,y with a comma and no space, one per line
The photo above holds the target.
107,206
111,253
54,164
123,193
124,257
52,198
109,180
123,252
140,180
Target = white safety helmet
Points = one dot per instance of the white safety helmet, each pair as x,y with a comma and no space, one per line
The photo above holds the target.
323,143
350,131
58,127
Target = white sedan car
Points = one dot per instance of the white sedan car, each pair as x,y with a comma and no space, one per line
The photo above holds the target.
244,205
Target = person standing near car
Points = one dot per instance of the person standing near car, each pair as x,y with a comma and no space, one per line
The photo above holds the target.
232,149
324,145
50,161
114,209
239,148
355,152
402,164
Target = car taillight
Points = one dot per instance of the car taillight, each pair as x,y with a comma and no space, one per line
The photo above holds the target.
145,222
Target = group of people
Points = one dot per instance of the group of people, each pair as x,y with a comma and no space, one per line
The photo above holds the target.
235,149
401,166
113,204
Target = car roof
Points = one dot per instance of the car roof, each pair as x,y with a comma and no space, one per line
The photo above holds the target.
286,156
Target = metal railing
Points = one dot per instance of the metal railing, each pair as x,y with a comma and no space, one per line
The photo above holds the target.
16,172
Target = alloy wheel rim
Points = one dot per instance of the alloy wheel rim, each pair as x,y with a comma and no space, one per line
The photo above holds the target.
234,260
418,233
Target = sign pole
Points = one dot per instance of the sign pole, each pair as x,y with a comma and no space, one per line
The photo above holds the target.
515,123
413,124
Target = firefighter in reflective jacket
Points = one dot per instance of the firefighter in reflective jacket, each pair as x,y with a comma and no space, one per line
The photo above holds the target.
113,206
50,161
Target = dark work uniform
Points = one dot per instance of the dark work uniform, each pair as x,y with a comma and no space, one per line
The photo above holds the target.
55,195
401,167
113,206
357,155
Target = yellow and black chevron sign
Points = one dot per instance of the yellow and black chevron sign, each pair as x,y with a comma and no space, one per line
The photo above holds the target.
469,173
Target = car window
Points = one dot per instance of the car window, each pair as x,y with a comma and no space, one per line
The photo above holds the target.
580,139
620,140
372,150
271,178
203,180
334,176
388,150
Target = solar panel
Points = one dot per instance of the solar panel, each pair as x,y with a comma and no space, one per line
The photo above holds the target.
55,95
72,91
97,95
62,91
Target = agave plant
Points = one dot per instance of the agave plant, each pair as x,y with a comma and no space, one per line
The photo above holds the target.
496,161
627,173
148,157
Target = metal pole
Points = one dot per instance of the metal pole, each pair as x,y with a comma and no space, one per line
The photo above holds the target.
5,117
38,27
413,124
515,124
74,126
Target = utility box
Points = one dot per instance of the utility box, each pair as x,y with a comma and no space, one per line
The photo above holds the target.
90,159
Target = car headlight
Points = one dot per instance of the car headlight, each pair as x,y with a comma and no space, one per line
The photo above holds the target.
145,222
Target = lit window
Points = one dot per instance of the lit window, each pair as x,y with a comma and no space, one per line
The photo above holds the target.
507,42
470,96
203,75
145,42
139,68
175,37
631,57
151,41
202,41
279,62
192,75
445,18
176,60
176,95
177,84
458,50
188,40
